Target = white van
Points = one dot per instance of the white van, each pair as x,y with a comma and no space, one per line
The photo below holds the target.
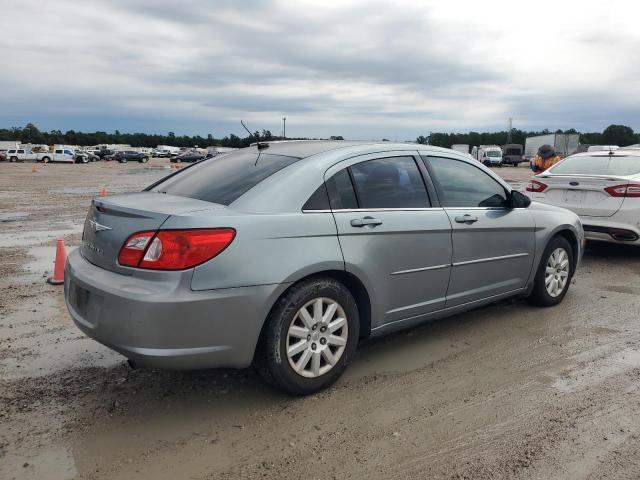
490,155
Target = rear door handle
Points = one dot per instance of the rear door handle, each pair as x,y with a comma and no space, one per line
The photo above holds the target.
466,218
366,221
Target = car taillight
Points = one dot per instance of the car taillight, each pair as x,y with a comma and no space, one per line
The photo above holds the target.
627,190
174,249
536,186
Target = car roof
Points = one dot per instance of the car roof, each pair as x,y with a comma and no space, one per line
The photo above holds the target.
307,148
605,153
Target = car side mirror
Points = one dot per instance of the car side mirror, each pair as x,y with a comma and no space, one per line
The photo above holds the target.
518,199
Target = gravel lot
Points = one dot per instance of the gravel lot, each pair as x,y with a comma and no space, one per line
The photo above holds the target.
507,391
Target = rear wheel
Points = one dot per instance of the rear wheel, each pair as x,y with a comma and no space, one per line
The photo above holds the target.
554,273
13,159
309,337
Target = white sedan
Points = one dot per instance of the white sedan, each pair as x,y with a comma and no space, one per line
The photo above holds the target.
603,188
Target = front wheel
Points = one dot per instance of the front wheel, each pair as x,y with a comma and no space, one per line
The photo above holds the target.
554,273
310,337
13,159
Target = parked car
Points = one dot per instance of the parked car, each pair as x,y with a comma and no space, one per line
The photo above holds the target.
83,156
3,156
189,157
125,156
284,255
602,187
162,153
21,155
105,153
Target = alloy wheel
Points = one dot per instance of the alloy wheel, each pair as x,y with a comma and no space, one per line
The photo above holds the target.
557,272
317,337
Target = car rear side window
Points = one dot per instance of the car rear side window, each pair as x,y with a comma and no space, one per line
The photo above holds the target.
599,165
393,182
341,192
223,179
464,185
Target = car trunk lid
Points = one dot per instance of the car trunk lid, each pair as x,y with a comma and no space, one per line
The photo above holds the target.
583,194
111,220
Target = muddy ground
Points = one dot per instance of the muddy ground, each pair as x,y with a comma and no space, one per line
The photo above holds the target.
507,391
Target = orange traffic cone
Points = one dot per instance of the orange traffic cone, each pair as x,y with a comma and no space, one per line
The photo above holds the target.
33,168
103,192
60,261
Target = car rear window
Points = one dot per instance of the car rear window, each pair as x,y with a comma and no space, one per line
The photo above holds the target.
225,178
598,165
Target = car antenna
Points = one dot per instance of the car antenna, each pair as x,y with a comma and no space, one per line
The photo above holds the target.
259,145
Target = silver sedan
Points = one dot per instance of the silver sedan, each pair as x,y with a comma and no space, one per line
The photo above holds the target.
284,255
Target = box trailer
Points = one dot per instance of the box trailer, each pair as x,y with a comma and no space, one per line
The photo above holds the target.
564,144
460,147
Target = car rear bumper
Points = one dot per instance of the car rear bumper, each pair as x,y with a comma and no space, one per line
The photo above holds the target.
610,229
165,324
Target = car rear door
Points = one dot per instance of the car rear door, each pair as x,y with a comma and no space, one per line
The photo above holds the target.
493,244
392,236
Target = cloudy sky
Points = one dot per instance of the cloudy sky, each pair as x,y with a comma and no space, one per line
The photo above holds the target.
361,69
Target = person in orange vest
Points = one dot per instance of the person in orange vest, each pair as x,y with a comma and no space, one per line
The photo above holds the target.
545,159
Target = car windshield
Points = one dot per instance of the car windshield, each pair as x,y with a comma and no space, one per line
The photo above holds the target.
223,179
598,165
494,153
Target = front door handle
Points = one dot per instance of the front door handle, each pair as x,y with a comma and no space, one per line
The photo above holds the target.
466,218
366,222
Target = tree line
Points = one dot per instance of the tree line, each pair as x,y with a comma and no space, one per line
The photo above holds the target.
621,135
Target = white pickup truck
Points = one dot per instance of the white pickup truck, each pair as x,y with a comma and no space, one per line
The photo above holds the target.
59,154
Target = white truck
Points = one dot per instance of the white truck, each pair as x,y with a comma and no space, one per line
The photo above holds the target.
564,144
460,147
60,153
490,155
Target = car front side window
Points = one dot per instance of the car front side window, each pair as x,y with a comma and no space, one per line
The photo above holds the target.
461,184
394,182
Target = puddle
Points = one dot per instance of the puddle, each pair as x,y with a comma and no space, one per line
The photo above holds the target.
44,340
13,216
43,260
53,464
27,238
593,372
78,190
624,289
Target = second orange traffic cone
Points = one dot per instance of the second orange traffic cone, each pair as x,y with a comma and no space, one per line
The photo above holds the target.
103,192
60,261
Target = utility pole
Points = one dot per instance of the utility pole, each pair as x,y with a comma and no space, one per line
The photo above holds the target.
509,139
284,128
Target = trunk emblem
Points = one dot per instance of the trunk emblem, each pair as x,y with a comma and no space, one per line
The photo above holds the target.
97,227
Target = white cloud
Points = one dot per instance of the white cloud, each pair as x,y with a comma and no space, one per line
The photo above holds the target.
357,68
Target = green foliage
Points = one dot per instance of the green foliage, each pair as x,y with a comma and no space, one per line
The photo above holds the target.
613,134
620,135
31,134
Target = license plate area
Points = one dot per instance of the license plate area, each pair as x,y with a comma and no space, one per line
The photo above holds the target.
87,303
574,196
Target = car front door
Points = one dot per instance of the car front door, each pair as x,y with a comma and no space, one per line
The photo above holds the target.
493,244
392,235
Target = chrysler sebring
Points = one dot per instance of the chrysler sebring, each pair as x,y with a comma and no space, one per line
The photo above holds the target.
285,254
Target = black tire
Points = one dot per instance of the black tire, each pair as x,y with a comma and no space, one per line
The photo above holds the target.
539,295
124,160
271,358
144,160
13,159
46,159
